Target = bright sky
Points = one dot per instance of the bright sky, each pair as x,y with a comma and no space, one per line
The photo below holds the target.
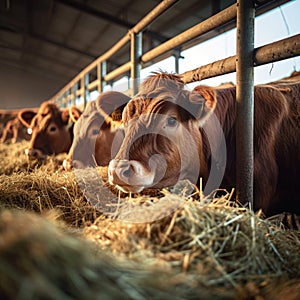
275,25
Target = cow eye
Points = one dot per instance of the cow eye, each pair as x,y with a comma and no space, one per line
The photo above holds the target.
95,132
171,122
52,129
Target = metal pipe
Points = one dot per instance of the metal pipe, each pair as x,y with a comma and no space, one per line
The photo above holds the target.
101,72
213,22
158,10
286,48
116,72
153,14
75,88
135,54
245,101
279,50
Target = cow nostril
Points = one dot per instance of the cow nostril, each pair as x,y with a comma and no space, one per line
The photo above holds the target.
32,153
126,173
76,164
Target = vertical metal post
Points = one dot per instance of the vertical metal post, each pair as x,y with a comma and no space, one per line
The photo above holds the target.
75,88
177,55
84,88
135,55
67,95
245,100
65,99
101,72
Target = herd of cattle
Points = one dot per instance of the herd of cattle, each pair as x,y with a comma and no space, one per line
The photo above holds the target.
159,136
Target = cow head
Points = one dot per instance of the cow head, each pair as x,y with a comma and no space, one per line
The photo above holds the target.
95,131
162,142
51,130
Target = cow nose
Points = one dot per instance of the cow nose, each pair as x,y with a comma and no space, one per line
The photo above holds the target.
77,164
129,175
33,153
121,171
67,164
118,170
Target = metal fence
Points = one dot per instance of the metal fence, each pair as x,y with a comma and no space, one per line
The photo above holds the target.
81,86
247,58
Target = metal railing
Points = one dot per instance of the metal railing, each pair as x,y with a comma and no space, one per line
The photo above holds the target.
81,87
245,10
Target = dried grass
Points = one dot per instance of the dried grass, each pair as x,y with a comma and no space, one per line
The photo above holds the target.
220,242
13,160
195,249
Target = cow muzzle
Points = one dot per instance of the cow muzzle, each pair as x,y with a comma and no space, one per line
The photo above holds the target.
130,176
32,154
70,163
67,164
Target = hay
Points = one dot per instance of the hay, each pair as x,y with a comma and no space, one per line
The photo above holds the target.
13,160
219,241
195,249
41,260
41,191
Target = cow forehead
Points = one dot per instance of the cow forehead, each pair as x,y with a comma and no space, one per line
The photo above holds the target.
155,106
85,122
40,122
47,108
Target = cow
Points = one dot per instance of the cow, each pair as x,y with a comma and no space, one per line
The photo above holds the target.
95,131
5,116
171,133
11,126
15,128
51,127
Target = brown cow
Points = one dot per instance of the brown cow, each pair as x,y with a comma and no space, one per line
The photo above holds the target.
11,126
95,131
5,116
52,130
163,142
16,129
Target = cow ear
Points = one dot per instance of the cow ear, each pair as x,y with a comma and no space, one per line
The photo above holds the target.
204,100
65,115
26,116
111,105
74,113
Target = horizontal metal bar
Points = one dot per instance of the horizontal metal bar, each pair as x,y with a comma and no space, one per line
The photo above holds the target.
116,72
213,22
93,85
158,10
153,14
279,50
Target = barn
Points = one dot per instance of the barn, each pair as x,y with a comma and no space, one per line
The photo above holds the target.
68,233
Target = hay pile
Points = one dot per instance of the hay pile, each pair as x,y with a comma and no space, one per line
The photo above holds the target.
220,242
13,160
171,247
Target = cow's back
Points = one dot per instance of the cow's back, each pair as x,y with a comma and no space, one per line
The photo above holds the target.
288,148
276,143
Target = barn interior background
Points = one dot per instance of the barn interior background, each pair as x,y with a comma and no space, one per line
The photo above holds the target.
219,251
47,43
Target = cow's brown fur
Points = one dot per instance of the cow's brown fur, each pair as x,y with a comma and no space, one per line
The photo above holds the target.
95,131
11,126
276,135
16,129
52,131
